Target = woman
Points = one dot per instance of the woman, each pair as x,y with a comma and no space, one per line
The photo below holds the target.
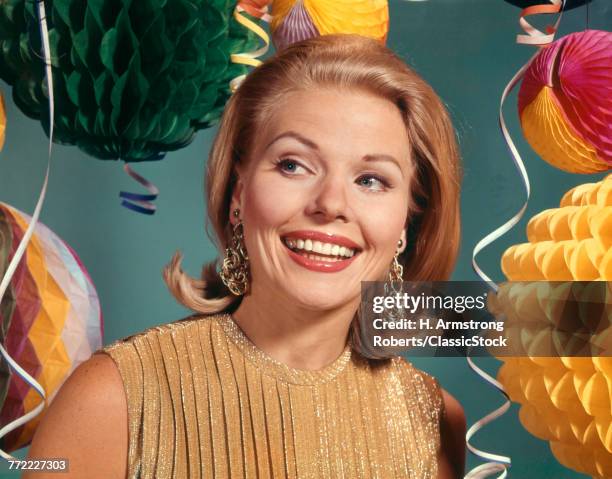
334,164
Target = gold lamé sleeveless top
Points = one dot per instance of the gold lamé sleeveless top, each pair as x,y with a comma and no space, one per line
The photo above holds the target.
205,402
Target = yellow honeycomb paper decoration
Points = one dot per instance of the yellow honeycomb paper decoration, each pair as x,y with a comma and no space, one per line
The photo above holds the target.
564,400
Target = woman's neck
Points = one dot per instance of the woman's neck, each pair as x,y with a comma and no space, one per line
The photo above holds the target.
295,336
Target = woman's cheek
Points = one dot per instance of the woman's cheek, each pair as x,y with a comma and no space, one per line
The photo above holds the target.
381,220
274,201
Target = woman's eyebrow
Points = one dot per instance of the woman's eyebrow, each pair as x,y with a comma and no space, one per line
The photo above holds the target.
383,157
296,136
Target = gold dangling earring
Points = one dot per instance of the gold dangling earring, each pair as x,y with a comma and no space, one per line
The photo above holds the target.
235,268
395,285
396,272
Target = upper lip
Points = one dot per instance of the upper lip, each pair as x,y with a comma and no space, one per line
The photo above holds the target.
323,237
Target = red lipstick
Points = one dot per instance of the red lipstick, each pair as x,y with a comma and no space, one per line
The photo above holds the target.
320,266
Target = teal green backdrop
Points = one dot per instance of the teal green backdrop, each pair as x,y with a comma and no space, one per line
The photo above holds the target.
465,48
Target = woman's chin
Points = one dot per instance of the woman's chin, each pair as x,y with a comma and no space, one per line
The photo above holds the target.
320,296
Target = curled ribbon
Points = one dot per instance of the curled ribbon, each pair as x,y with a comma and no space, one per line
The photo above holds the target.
532,36
137,201
256,8
19,252
250,58
497,463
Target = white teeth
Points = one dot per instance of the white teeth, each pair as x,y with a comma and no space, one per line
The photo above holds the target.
327,259
327,249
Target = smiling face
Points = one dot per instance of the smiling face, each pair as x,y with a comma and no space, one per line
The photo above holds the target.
324,197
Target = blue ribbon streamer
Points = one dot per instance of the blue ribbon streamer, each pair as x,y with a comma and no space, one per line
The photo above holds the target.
141,203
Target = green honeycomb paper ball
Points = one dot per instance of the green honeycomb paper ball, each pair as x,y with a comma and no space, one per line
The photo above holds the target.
132,78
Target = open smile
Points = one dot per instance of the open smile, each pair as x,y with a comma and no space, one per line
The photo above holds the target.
320,251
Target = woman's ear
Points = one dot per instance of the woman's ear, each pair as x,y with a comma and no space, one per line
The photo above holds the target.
237,197
401,248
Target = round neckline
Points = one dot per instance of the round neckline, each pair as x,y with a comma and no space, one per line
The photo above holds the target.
277,369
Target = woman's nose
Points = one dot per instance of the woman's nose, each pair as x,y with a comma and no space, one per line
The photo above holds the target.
330,200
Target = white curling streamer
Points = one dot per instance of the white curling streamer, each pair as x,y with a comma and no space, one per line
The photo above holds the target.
488,468
10,271
501,463
516,157
484,470
518,161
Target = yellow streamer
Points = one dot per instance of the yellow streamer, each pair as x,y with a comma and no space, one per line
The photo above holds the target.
248,58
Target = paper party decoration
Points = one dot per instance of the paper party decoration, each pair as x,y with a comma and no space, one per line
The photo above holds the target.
543,318
565,102
50,316
565,400
131,79
293,20
255,8
573,242
569,4
2,122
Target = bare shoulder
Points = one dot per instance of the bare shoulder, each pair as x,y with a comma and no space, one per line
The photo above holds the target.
451,459
86,423
454,414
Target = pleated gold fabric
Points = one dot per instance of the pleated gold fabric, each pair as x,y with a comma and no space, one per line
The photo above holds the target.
205,402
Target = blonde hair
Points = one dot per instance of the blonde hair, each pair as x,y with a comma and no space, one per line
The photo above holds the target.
347,62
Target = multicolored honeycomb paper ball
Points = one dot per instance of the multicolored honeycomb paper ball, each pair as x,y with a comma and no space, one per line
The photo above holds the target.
50,316
565,102
293,21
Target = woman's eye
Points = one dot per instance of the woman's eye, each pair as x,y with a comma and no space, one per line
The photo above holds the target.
290,166
372,182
